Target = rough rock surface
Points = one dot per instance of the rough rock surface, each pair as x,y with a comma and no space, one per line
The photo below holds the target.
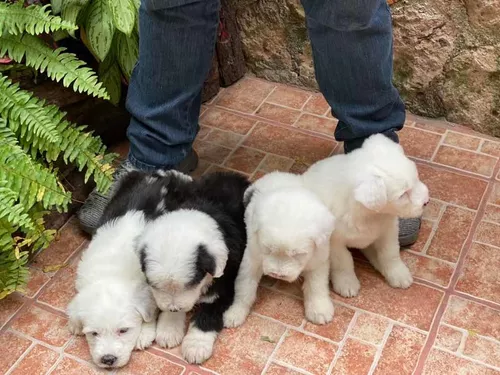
446,54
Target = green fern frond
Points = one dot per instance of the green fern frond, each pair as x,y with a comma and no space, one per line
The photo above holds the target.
34,19
57,64
25,113
13,212
29,180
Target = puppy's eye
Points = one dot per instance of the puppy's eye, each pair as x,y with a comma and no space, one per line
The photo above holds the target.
95,334
123,330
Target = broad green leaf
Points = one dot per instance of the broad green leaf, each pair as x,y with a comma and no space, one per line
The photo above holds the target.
70,10
124,14
100,28
127,51
110,76
56,6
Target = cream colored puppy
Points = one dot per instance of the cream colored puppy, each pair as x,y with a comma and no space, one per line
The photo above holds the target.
367,190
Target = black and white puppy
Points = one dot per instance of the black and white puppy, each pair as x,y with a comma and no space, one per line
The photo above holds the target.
191,258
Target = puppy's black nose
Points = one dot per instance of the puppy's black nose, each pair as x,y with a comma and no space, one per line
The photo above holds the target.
108,360
173,310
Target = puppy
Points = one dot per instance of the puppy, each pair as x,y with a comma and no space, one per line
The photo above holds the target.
288,231
114,306
190,257
367,190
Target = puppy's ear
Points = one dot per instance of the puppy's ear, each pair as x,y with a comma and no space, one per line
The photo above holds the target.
326,226
144,303
371,192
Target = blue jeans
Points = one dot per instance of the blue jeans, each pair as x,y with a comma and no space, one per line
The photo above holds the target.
352,51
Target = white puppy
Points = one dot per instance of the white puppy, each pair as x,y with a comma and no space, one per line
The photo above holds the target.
288,230
113,307
367,190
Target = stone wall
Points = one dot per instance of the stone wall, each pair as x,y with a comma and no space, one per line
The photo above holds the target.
446,54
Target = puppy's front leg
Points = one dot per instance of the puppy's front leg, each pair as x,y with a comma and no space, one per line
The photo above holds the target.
245,289
384,255
207,322
343,277
170,328
317,303
147,335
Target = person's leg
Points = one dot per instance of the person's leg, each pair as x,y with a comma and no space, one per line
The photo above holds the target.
352,50
176,46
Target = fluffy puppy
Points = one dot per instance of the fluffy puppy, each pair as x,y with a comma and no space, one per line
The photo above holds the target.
288,230
367,190
191,258
114,306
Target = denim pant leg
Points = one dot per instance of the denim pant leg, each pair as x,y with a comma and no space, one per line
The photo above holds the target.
177,39
352,50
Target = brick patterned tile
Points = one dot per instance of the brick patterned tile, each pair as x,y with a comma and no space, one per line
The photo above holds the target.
245,95
491,148
434,270
203,132
257,175
143,362
245,159
298,167
431,211
16,347
448,338
439,363
400,352
484,350
462,141
317,105
492,213
466,160
202,167
246,349
38,361
9,306
289,97
62,289
473,316
218,118
488,233
452,187
356,358
69,366
369,328
289,143
211,152
70,239
451,234
416,305
278,113
317,124
43,326
306,352
276,163
495,195
418,143
37,279
430,127
423,236
218,168
279,306
79,348
480,276
295,288
337,328
223,138
275,369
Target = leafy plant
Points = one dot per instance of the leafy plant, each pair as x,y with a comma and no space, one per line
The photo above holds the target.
109,29
35,135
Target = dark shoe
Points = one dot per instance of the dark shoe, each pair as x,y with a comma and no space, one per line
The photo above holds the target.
408,231
92,210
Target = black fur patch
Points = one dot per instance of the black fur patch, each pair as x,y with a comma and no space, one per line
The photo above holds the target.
205,263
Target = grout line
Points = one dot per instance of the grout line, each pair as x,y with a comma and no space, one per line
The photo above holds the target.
447,168
470,359
424,255
264,100
378,353
303,108
21,358
342,342
291,367
238,145
440,143
484,243
434,230
275,350
471,298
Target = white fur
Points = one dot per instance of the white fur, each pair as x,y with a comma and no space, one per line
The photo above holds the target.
112,294
170,328
288,232
198,345
367,190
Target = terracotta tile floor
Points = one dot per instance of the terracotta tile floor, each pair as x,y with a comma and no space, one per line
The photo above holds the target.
448,322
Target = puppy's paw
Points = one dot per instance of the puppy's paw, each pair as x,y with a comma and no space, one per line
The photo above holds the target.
235,315
399,276
347,285
75,328
146,337
169,337
198,346
319,310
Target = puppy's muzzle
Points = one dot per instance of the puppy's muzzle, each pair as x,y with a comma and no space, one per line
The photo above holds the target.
108,360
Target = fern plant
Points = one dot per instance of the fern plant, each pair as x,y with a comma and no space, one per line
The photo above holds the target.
34,135
109,29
